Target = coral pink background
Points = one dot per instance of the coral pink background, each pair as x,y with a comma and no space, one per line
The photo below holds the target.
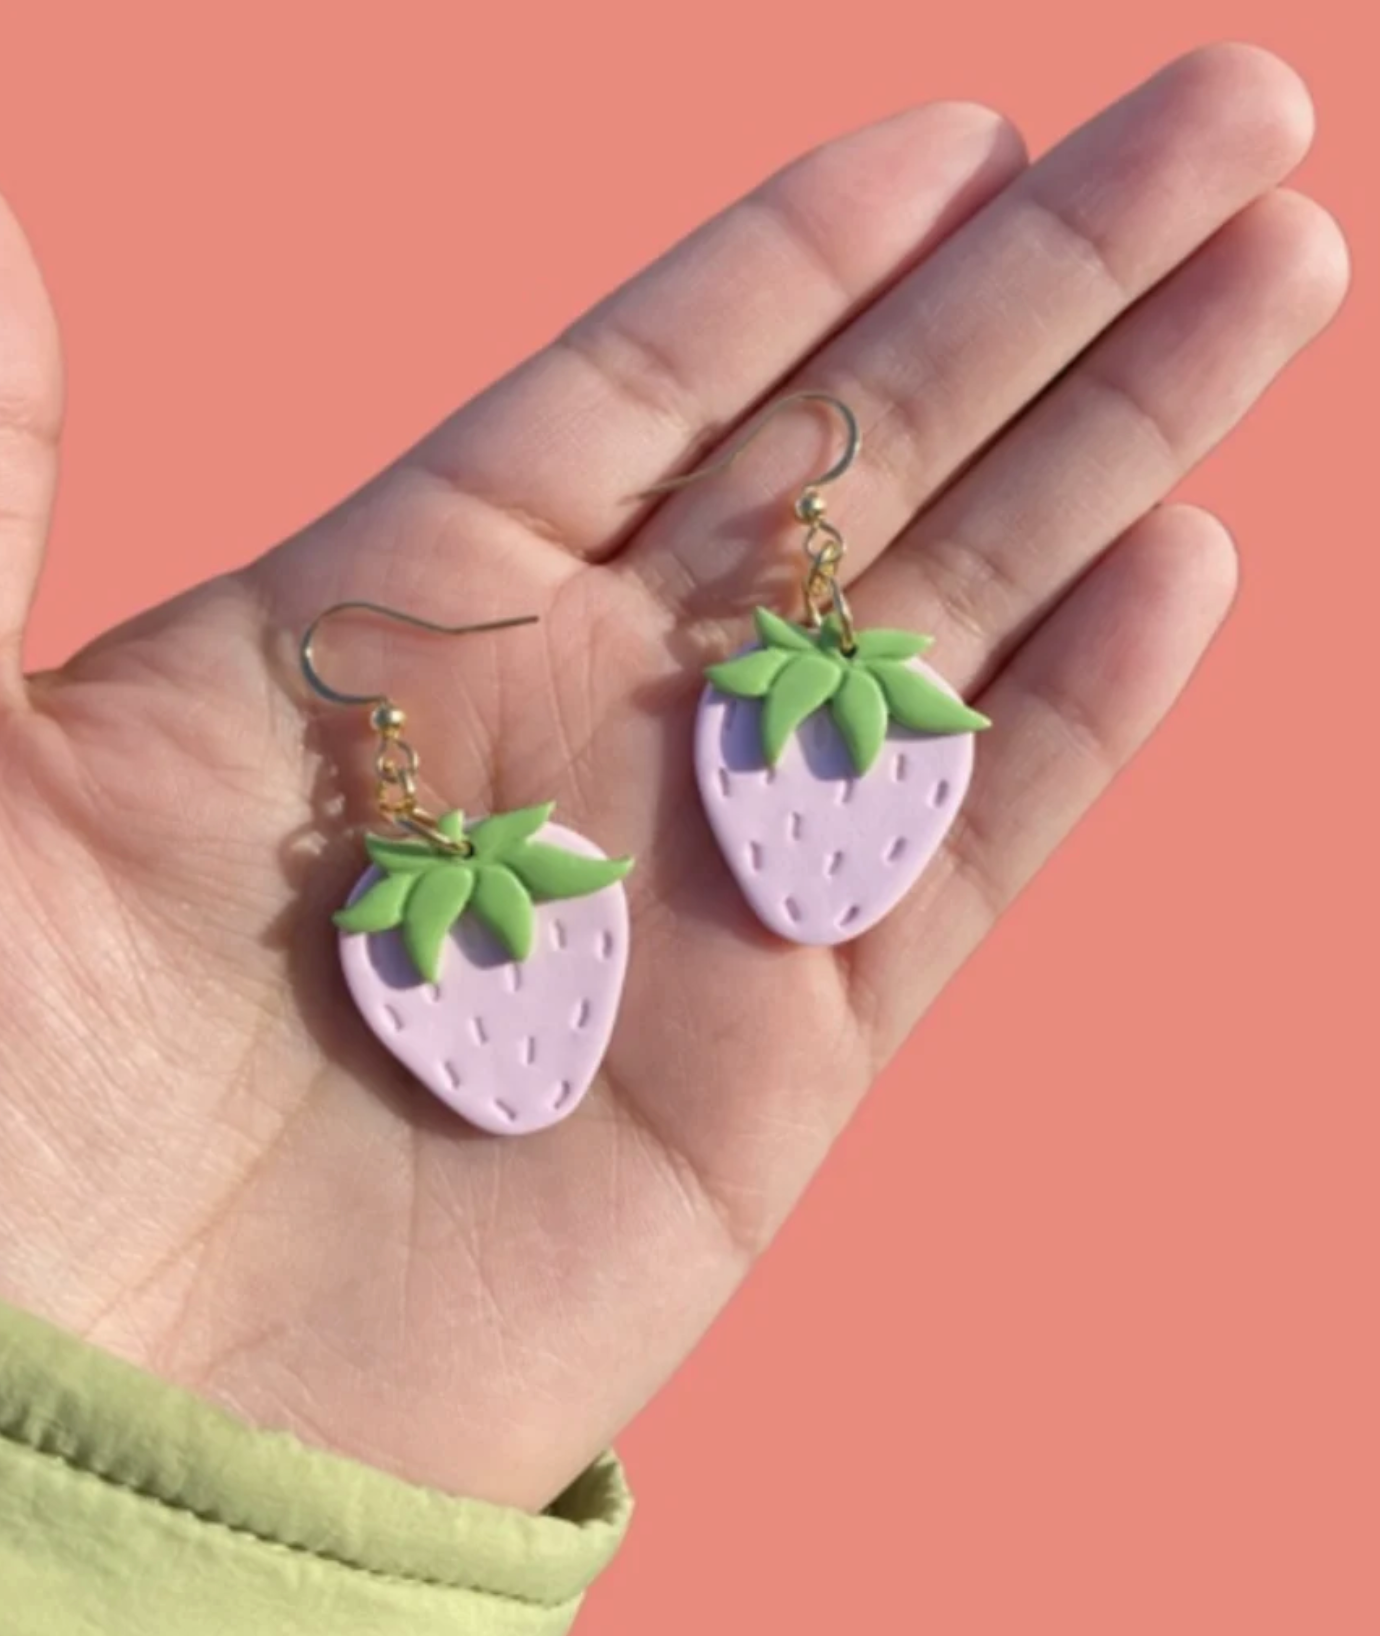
1078,1332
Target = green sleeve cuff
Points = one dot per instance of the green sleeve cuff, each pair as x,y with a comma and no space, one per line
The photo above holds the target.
129,1507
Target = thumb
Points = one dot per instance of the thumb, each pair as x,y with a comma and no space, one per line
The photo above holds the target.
30,423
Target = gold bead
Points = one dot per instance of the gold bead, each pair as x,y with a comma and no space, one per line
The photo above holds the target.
388,719
811,506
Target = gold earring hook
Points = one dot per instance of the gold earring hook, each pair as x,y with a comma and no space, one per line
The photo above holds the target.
333,695
822,592
396,763
851,449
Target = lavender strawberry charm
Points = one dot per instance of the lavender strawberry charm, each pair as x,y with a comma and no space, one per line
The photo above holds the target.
830,772
490,961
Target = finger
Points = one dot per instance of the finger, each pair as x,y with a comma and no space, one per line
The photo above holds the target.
634,387
1071,708
1113,437
944,360
30,419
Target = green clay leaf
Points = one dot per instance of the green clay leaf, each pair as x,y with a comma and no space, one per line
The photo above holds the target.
830,639
380,908
750,675
882,644
501,902
492,837
551,872
922,705
452,825
806,683
398,856
859,712
780,633
437,901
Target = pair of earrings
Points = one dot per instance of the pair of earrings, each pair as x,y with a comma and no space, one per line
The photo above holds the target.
489,956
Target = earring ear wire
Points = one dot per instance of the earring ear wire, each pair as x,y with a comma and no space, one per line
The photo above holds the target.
306,648
823,544
396,763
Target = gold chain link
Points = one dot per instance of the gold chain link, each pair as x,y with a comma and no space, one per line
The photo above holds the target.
822,591
396,769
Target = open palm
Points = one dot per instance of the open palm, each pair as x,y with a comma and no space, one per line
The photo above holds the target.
206,1161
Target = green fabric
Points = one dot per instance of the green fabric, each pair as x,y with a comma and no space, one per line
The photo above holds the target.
130,1508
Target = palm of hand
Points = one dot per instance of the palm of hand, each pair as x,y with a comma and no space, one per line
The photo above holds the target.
209,1164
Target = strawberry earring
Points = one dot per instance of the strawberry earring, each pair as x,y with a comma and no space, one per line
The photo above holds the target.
488,957
831,760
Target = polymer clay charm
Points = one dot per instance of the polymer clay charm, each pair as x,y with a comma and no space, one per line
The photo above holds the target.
489,957
831,760
830,778
494,976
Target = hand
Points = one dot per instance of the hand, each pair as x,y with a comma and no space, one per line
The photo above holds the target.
207,1164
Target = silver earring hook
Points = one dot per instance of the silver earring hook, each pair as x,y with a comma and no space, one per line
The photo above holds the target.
333,695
